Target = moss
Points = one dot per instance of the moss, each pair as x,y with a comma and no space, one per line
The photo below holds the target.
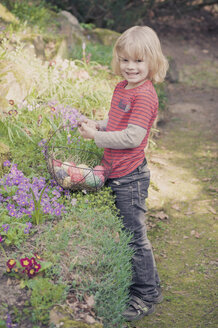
105,36
7,16
62,316
67,323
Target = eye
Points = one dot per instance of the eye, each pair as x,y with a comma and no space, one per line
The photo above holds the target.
123,59
139,60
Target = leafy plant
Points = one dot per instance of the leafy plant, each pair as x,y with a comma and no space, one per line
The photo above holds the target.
44,295
37,214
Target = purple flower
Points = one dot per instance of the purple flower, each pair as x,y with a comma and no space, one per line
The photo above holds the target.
57,211
5,227
27,229
8,321
10,207
1,239
73,201
42,143
12,212
7,163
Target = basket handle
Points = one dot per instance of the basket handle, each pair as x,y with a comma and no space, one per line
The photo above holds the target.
58,129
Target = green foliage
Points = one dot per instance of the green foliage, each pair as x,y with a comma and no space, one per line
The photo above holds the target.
96,52
162,97
33,12
44,295
37,215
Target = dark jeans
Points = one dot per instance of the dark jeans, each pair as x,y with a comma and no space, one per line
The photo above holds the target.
130,192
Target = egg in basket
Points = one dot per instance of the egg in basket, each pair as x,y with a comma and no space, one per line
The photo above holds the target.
83,169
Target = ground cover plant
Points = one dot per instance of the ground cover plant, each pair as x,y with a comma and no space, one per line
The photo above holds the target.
57,245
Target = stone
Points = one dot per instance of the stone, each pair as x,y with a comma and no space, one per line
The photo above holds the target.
7,16
172,73
105,36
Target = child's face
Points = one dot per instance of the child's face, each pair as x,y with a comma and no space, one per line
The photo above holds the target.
134,70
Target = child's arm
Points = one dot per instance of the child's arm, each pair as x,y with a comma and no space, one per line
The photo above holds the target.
130,137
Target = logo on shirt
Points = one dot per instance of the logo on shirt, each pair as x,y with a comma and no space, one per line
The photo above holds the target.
124,105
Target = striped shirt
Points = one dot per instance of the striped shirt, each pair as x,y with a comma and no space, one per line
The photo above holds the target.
136,106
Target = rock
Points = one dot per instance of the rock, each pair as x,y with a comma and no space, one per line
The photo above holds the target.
105,36
70,28
7,16
39,46
72,19
14,83
172,73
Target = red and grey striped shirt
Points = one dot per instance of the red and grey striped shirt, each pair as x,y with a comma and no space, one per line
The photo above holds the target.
136,106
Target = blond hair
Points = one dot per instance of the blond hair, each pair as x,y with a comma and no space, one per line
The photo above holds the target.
141,42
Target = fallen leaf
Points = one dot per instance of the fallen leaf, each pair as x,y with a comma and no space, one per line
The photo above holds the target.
189,213
175,207
90,300
211,209
89,319
211,188
206,179
161,215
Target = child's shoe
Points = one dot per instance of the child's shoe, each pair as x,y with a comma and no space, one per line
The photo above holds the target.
159,298
137,309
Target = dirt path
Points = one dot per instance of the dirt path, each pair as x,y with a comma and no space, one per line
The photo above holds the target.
182,199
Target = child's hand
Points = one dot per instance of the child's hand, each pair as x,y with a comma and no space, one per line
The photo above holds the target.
90,123
86,131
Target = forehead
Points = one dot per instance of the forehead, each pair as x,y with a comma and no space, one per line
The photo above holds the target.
132,51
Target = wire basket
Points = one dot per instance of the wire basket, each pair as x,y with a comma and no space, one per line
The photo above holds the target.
81,170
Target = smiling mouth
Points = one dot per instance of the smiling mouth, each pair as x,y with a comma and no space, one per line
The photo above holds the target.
132,73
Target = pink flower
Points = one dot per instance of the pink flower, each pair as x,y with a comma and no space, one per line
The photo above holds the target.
25,262
37,267
11,263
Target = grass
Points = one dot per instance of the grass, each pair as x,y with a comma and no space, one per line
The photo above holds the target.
185,246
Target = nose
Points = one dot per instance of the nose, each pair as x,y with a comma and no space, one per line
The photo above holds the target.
131,64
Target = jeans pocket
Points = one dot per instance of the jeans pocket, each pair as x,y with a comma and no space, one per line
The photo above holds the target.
140,193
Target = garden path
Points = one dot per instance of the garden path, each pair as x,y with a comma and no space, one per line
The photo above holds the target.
182,203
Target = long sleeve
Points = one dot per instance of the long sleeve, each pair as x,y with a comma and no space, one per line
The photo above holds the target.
130,137
102,124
